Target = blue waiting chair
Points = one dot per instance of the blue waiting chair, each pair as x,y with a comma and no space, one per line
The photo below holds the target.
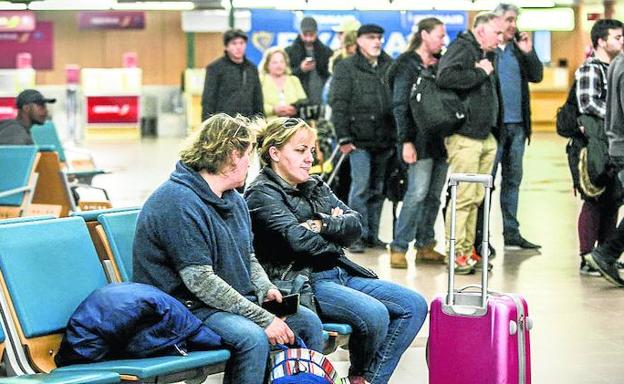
116,231
17,178
46,135
47,268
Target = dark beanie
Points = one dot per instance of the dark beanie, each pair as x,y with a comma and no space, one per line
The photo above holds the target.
233,34
370,28
308,24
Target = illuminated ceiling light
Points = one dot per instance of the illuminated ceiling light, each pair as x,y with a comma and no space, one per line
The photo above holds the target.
56,5
156,6
7,6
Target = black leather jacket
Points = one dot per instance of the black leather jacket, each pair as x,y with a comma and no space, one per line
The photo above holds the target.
277,209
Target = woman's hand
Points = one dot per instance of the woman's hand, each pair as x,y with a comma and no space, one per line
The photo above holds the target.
273,295
278,332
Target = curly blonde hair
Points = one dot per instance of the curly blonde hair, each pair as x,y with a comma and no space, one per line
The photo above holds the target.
277,133
211,147
268,54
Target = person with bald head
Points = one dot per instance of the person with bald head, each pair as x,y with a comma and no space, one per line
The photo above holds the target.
468,69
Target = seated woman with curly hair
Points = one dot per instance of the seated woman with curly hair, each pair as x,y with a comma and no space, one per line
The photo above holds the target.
299,224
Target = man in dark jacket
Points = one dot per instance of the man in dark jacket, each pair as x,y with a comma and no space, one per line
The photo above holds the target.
31,109
465,69
362,115
309,60
232,84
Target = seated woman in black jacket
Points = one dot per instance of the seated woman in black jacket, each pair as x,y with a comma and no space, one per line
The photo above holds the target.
299,224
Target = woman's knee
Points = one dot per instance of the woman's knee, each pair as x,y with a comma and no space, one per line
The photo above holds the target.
253,338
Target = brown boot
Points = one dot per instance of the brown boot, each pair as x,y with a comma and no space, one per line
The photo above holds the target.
397,259
429,255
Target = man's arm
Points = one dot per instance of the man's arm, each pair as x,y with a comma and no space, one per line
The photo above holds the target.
589,87
209,96
258,103
340,95
457,70
532,66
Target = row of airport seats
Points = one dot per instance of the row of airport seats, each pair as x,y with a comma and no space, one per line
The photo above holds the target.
47,267
34,181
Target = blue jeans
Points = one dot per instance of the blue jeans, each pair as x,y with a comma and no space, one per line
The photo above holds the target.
385,318
368,174
425,180
249,344
510,155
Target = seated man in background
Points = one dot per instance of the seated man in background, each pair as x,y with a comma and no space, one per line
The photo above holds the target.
31,109
193,241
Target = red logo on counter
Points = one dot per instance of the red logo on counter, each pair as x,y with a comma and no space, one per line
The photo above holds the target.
112,109
8,110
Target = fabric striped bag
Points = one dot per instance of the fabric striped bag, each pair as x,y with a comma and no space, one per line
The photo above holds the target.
302,365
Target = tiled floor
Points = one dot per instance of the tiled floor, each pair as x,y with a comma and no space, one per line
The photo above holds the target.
577,336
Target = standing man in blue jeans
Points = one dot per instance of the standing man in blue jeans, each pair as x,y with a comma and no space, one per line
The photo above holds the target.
362,115
517,64
423,152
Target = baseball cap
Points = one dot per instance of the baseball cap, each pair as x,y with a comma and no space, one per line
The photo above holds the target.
347,24
30,96
233,34
308,24
369,28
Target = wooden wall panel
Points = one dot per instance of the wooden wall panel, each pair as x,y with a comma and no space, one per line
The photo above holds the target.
208,46
161,47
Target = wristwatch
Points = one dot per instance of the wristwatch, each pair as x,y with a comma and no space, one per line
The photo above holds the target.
314,227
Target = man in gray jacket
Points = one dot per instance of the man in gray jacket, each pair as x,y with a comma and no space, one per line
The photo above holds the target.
605,256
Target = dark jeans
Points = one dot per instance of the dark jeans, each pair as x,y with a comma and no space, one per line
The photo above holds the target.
509,156
613,247
368,174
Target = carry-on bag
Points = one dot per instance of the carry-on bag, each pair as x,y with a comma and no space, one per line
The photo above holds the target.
300,365
477,336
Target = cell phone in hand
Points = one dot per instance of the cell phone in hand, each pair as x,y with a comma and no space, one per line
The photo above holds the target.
288,306
517,36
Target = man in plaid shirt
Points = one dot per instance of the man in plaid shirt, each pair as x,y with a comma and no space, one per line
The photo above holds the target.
598,217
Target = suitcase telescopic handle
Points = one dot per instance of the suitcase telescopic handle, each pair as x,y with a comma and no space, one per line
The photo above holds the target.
487,181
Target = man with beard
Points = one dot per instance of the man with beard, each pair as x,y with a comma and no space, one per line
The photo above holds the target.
31,109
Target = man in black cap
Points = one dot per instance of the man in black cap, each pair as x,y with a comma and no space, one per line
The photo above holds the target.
309,60
31,109
362,115
232,84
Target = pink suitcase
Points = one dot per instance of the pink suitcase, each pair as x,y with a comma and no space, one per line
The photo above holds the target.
477,336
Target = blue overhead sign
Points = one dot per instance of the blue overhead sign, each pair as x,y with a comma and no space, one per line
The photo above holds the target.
273,27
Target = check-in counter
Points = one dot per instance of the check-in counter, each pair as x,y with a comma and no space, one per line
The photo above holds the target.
547,97
12,82
112,102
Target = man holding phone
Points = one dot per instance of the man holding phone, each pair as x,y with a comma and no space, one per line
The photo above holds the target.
517,64
309,60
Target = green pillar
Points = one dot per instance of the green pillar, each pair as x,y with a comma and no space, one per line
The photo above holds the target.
190,50
232,10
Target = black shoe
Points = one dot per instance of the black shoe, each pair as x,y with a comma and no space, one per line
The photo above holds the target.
520,243
357,247
376,244
492,255
608,269
587,270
